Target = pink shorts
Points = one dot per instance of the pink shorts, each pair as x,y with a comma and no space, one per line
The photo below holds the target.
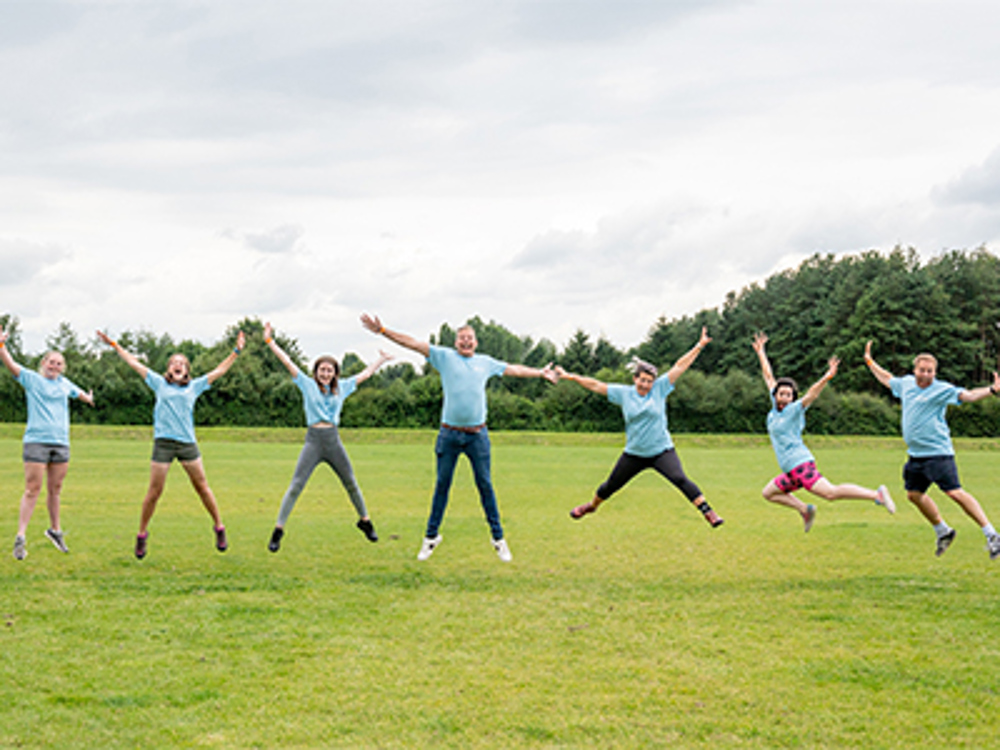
803,475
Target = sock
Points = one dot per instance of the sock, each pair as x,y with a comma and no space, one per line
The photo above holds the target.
989,531
942,528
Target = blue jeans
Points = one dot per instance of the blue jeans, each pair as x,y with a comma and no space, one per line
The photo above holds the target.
476,445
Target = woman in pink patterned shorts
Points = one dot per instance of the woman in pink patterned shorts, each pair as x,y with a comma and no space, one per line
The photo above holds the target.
785,423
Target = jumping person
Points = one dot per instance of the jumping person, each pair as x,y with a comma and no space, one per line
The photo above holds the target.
930,453
463,421
323,397
785,423
173,433
46,439
648,444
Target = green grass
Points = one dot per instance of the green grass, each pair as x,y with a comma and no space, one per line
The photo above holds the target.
636,627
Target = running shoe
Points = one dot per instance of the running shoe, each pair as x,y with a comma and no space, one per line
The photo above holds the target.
714,519
993,544
503,551
220,539
885,499
275,544
56,537
809,517
427,548
20,547
944,542
140,545
368,529
581,510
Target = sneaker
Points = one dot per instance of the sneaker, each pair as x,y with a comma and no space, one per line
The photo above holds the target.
885,500
427,548
809,517
581,510
503,551
220,539
368,529
714,519
944,542
993,544
56,537
275,544
20,547
140,545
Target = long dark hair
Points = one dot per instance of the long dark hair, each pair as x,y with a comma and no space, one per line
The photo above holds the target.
336,372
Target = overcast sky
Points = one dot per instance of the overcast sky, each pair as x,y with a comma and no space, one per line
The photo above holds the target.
548,164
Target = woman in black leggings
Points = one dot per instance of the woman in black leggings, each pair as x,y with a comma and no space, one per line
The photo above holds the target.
648,443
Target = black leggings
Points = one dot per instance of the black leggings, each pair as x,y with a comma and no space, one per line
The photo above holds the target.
666,463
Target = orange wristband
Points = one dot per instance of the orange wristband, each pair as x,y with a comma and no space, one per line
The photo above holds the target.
268,341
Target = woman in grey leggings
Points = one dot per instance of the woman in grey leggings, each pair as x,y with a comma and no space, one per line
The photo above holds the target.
322,397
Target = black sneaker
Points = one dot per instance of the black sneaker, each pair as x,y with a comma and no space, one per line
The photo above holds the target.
56,537
944,542
220,539
275,544
368,529
140,545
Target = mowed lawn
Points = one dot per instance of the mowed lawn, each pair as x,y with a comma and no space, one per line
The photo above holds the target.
639,626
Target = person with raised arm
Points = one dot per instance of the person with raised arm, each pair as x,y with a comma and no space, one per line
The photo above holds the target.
785,423
323,397
173,433
648,444
930,453
464,375
45,451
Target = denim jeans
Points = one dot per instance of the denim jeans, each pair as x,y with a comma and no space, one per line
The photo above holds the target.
475,445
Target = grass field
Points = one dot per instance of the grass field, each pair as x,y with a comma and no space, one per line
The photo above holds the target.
636,627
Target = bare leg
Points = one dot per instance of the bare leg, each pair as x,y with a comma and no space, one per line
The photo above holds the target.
53,490
34,475
773,493
157,481
196,472
925,505
970,505
828,491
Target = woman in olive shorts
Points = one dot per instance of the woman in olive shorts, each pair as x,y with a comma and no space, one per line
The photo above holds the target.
46,439
323,397
173,432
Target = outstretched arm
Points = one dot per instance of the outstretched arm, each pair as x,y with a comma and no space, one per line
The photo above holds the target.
817,388
373,324
881,374
130,359
223,367
523,371
8,361
590,384
976,394
681,365
366,373
278,351
759,340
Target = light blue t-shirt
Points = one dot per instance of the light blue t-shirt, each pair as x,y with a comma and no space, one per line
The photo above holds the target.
323,407
925,429
785,430
48,407
646,432
173,415
463,380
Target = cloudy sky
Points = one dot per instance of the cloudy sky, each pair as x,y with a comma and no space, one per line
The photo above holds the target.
548,164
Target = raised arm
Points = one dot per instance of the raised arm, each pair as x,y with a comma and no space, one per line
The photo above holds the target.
373,324
681,365
130,359
523,371
881,374
278,351
223,367
8,361
817,388
976,394
759,340
590,384
366,373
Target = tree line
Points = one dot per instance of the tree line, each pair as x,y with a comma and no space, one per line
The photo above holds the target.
826,306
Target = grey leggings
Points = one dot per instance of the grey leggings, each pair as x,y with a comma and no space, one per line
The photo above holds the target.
322,445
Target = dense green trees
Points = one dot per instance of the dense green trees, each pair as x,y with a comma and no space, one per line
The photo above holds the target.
826,306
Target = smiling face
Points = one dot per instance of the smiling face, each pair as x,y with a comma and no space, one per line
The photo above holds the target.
52,365
324,373
924,370
783,396
465,341
178,369
643,383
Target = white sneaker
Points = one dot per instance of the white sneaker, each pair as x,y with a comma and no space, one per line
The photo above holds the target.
503,551
20,548
993,545
885,500
427,548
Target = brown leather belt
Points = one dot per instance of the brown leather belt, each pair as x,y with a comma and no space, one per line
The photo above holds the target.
469,430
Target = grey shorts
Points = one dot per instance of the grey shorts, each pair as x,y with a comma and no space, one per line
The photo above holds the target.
45,453
166,450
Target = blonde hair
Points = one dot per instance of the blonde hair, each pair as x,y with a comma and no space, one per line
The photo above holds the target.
925,356
187,375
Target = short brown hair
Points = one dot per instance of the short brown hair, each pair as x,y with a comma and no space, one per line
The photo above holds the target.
925,355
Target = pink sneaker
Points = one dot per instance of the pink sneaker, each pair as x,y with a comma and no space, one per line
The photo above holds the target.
581,510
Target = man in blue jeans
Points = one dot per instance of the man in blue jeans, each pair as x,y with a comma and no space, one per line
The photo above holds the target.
463,421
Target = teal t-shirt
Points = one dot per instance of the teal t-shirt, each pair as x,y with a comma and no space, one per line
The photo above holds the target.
925,429
323,407
173,415
463,380
48,407
646,432
785,430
